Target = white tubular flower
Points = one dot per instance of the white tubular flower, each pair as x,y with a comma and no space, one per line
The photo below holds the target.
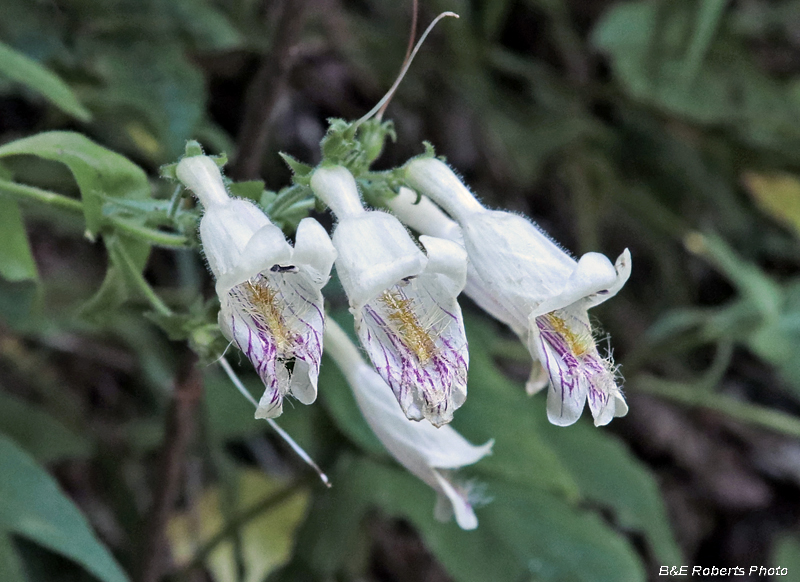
524,279
270,298
427,452
403,302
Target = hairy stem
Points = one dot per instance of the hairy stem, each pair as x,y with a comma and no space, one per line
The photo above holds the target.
25,193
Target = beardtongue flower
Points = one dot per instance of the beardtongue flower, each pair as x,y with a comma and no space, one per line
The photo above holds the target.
403,301
540,291
270,299
427,452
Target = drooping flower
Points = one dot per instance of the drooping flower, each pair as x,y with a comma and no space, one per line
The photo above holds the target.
429,453
527,281
403,300
270,293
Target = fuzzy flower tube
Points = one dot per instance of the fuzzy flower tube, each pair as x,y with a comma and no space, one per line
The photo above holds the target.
523,278
427,452
271,304
403,300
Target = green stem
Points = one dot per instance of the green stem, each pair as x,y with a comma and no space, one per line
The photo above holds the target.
24,193
240,520
762,416
30,193
175,201
138,279
285,200
149,235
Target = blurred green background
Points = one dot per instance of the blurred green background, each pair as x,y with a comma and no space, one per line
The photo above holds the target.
669,127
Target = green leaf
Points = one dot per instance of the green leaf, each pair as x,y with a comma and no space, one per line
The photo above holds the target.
301,172
229,415
610,476
523,533
251,189
16,258
786,554
778,195
97,171
708,19
153,104
499,409
32,506
17,67
18,301
39,433
117,286
646,45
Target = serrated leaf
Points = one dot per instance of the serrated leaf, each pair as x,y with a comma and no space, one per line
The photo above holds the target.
97,170
21,69
32,506
40,434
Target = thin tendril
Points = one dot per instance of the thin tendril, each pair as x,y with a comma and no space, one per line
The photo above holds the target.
404,70
412,36
282,433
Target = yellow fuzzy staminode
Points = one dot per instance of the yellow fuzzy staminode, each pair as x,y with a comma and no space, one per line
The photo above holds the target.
267,308
578,344
405,324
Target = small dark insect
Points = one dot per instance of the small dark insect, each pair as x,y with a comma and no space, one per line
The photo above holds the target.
282,269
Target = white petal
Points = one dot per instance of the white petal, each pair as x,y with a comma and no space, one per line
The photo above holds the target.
593,273
336,187
537,379
564,344
414,335
267,247
448,260
202,176
465,515
517,262
423,216
623,269
375,252
314,249
303,385
276,318
225,230
435,179
419,447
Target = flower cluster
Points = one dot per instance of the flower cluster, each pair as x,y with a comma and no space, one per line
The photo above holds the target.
403,297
